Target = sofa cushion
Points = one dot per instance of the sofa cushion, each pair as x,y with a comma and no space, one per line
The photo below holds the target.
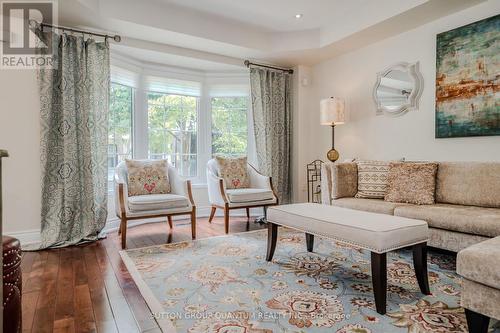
156,202
372,179
411,183
249,194
344,180
367,205
466,219
234,171
468,183
147,177
479,263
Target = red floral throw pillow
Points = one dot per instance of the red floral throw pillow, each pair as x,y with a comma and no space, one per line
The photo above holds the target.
234,171
147,177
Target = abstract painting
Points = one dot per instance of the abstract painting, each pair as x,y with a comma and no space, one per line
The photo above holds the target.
467,80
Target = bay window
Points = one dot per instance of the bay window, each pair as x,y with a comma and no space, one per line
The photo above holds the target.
186,118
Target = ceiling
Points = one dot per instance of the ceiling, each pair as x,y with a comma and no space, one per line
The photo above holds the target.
277,15
202,33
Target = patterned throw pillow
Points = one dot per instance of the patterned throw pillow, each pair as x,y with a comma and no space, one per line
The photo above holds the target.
372,179
147,177
234,171
413,183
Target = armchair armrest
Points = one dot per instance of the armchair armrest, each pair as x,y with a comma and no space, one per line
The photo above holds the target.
180,186
121,195
216,189
258,180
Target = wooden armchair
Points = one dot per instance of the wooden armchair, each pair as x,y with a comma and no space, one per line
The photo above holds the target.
260,193
178,202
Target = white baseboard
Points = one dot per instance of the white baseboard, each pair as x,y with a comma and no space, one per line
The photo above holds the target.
26,237
33,236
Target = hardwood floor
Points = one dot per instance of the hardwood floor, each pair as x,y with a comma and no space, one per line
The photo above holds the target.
87,288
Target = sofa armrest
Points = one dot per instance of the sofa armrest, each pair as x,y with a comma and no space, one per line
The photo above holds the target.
326,183
344,180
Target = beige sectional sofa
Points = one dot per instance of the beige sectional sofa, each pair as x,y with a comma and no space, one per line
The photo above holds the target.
467,208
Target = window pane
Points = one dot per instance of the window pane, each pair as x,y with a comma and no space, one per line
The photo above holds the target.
172,128
120,126
229,126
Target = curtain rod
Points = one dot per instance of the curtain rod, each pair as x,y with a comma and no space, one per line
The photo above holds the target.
248,64
116,38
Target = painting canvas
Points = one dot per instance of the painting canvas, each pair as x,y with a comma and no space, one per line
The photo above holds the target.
467,80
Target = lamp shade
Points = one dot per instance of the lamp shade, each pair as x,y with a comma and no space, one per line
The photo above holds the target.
332,111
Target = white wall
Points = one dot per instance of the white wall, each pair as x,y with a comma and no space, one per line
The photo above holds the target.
19,134
302,90
366,135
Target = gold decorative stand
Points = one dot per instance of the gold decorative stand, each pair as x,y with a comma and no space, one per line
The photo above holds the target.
314,181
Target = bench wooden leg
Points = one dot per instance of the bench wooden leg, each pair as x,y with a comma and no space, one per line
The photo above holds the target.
309,242
379,280
478,323
420,264
272,237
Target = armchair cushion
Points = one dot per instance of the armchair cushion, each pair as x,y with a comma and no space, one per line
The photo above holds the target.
157,202
234,171
147,177
249,195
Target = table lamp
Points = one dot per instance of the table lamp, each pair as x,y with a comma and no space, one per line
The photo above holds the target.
332,112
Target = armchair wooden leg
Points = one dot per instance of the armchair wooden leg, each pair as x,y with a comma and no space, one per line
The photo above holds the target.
248,213
212,214
123,228
169,218
120,229
193,223
226,219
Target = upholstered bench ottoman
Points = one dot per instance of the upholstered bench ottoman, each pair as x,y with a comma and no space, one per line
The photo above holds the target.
479,265
378,233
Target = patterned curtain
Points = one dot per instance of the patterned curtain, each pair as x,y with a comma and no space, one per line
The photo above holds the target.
271,104
74,98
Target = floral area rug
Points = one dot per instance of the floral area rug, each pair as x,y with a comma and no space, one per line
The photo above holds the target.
223,284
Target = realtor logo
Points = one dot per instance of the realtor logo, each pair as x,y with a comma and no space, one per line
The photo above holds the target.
20,47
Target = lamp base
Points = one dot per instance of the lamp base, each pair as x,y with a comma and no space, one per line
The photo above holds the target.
332,155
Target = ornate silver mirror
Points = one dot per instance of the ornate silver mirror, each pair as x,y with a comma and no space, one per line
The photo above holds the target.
398,89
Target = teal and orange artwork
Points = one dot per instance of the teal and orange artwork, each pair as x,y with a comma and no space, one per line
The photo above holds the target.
467,80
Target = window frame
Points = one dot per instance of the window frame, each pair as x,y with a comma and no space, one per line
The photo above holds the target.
133,90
